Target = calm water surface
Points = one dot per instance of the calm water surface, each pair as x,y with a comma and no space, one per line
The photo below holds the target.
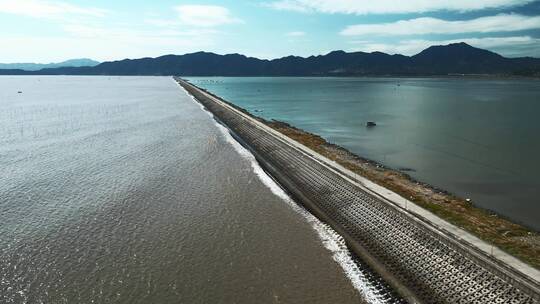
477,138
121,190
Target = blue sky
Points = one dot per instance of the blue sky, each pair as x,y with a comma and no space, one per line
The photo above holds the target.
51,31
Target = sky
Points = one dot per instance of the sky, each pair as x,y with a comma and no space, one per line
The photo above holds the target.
51,31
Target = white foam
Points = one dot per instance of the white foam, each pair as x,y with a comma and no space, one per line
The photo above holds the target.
193,98
331,240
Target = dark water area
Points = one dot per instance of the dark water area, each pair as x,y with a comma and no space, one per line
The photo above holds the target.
477,138
122,190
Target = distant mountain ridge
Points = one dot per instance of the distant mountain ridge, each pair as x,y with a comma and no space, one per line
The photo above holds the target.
82,62
457,58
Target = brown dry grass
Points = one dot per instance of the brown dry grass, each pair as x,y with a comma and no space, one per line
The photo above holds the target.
511,237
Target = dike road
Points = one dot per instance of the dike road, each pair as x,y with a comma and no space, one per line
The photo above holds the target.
424,259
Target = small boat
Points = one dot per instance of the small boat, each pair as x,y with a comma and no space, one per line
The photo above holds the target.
371,124
19,92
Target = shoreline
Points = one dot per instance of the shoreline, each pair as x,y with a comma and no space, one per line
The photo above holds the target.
420,76
515,239
413,249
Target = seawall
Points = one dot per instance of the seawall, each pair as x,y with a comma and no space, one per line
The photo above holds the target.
422,261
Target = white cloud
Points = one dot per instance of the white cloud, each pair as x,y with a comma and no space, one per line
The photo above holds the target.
428,25
105,43
507,46
86,31
389,6
161,22
194,30
205,15
288,5
295,34
56,49
47,9
120,33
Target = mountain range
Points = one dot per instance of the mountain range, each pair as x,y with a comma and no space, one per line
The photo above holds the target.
83,62
457,58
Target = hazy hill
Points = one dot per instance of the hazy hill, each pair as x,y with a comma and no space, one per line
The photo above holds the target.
459,58
83,62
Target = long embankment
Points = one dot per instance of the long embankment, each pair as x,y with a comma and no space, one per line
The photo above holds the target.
425,259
